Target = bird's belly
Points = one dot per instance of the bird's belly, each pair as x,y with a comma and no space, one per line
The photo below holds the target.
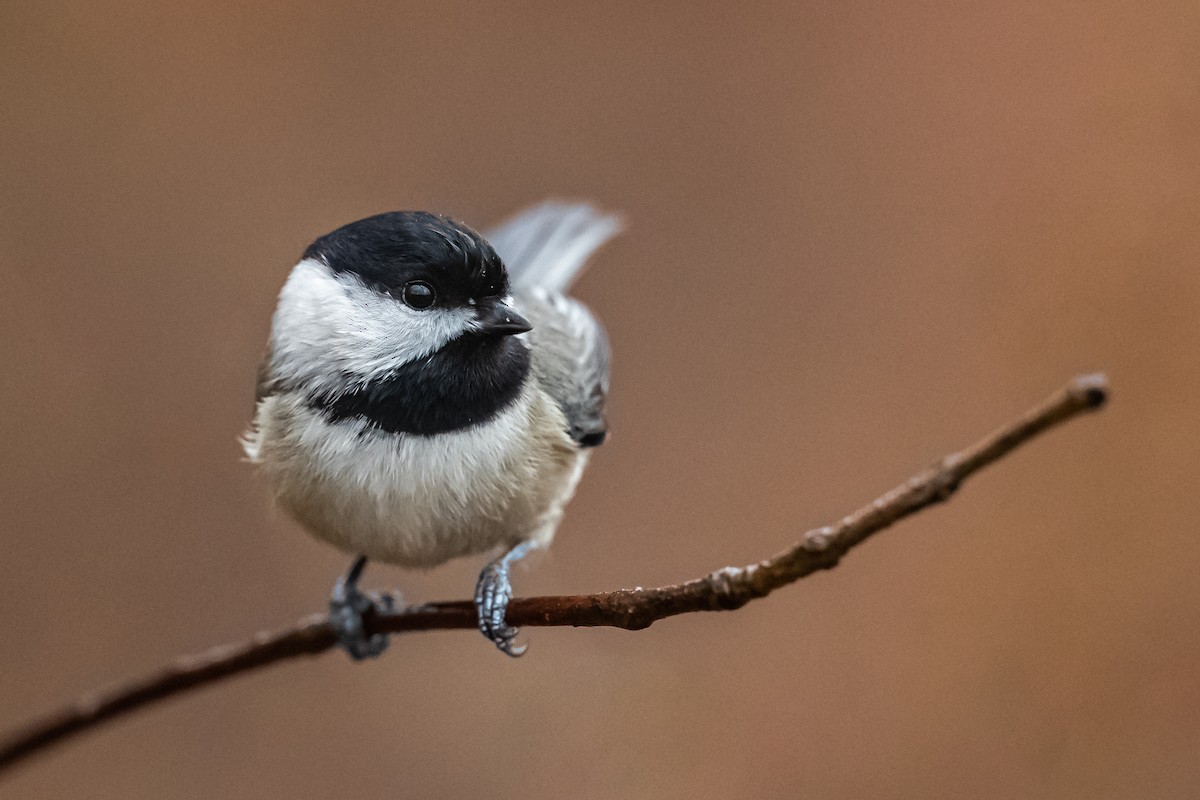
421,500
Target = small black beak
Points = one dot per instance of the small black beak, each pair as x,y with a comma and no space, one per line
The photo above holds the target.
501,320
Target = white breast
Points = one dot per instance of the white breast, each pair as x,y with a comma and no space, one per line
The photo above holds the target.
420,500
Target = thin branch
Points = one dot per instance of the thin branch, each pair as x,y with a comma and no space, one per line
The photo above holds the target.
723,590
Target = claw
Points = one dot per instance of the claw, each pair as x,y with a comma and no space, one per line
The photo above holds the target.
492,594
347,605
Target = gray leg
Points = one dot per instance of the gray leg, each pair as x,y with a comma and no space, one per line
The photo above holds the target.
492,593
347,605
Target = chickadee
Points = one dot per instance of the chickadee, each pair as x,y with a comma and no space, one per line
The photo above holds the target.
426,394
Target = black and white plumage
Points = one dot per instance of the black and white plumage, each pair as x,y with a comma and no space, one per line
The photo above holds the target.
427,394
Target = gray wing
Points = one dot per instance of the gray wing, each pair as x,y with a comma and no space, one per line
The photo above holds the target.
549,244
544,249
570,360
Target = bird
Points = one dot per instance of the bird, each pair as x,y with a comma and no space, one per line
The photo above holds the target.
429,393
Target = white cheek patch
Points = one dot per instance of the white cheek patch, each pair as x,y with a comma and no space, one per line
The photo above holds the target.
331,332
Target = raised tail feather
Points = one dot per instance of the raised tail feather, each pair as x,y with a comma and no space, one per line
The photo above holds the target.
549,244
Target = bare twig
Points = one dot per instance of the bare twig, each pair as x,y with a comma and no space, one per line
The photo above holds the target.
723,590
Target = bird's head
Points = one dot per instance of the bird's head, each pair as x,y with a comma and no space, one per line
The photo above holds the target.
388,291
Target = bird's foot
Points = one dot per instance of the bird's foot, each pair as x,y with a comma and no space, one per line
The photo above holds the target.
492,593
347,605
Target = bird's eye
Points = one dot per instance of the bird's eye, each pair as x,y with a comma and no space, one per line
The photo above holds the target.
418,295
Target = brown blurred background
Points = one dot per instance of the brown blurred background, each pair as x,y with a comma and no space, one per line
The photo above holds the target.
861,235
